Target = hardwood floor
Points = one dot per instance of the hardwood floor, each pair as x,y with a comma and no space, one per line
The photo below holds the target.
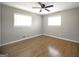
38,47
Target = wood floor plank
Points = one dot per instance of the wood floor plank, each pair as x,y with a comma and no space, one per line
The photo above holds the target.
38,47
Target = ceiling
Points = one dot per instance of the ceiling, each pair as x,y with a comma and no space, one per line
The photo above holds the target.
58,6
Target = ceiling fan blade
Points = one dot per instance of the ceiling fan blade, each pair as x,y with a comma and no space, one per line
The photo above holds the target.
40,3
47,10
49,6
40,10
36,7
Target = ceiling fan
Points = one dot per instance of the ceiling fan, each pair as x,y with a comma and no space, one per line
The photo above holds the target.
43,6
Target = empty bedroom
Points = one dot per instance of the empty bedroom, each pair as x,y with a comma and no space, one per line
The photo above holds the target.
39,29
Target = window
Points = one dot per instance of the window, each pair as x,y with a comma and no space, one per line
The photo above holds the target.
54,21
22,20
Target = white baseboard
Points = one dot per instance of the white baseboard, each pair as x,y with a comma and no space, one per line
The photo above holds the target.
39,35
20,40
61,38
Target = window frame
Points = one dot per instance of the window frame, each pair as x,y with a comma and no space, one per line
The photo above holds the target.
20,25
52,23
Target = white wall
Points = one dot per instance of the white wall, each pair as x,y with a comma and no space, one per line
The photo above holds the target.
11,33
0,25
69,28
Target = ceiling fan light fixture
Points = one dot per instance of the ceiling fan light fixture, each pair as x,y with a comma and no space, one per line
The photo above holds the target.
43,6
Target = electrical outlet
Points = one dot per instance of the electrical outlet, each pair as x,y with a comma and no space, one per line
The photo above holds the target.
23,36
